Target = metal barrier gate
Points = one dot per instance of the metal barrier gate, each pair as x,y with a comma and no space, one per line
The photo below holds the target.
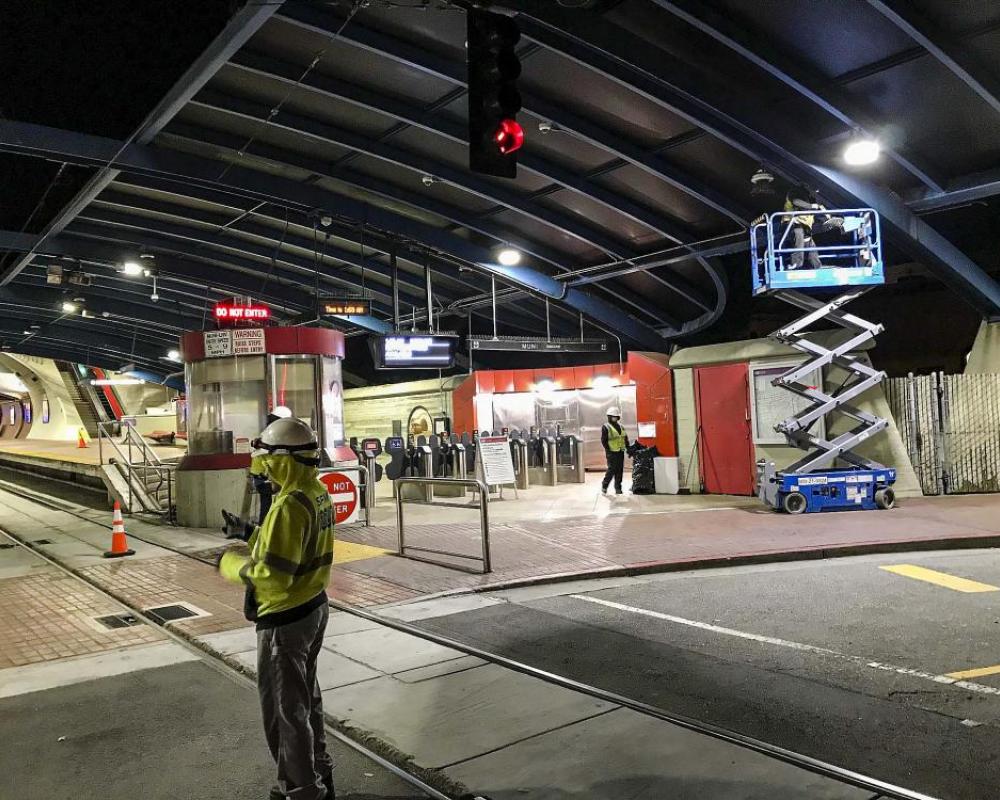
950,425
405,549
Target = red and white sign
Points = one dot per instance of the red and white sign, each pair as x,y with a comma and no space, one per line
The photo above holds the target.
343,489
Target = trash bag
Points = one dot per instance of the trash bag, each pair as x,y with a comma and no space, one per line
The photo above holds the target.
642,468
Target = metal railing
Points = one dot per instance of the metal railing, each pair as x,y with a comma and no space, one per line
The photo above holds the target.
132,470
484,521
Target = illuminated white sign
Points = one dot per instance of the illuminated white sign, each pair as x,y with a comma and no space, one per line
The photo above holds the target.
417,351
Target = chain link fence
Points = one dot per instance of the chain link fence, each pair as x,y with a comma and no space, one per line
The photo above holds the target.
950,426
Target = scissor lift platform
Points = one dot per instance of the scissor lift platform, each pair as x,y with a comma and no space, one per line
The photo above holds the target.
814,482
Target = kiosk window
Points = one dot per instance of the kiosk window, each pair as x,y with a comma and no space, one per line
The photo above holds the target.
773,404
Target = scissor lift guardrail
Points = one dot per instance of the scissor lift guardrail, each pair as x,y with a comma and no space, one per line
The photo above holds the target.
812,483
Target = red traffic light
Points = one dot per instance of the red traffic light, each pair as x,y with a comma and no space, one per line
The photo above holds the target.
509,136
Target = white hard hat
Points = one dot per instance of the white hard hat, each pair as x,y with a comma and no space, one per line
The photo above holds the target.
285,437
614,411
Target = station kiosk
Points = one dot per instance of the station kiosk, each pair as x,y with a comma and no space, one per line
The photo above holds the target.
234,379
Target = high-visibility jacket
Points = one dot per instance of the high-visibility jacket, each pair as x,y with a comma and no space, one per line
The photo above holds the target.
291,551
616,437
806,220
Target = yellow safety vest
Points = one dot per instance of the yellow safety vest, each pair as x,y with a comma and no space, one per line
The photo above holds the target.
616,438
292,550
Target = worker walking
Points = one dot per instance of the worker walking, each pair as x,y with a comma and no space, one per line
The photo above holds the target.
285,577
614,440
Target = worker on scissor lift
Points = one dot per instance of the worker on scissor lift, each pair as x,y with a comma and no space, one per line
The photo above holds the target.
285,576
805,225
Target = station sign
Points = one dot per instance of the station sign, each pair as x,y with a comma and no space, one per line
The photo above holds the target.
241,312
345,307
539,345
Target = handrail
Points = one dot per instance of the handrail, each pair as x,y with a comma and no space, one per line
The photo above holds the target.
484,522
150,463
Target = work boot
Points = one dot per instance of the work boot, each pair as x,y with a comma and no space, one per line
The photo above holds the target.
331,793
604,489
275,794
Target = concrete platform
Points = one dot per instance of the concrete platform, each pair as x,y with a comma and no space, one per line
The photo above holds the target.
63,461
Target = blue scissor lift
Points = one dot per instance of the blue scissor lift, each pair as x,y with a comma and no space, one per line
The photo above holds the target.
853,265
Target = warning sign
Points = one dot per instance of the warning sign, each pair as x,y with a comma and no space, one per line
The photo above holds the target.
248,341
343,489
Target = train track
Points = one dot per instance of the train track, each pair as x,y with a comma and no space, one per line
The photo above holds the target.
881,790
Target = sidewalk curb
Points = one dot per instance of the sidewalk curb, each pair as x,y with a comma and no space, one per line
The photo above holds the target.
748,559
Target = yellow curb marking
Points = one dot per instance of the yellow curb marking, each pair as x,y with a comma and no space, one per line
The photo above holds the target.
343,552
974,673
939,578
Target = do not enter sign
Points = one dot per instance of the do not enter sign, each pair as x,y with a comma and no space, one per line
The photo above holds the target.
343,491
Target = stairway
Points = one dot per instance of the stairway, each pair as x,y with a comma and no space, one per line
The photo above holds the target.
81,401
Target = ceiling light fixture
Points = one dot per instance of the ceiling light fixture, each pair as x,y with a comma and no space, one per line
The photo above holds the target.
68,307
174,355
762,183
509,257
861,151
132,268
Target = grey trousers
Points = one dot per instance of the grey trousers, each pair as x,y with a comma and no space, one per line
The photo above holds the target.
291,704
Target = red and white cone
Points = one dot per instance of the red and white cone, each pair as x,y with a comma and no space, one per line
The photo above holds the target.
119,543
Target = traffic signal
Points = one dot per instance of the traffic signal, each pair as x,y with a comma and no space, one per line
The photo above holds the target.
495,135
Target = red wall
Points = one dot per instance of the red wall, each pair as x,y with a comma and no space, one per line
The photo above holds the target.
649,372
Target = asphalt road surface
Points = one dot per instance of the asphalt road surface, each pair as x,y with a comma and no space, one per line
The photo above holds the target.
887,665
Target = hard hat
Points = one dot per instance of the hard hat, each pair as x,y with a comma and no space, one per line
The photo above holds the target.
614,411
284,437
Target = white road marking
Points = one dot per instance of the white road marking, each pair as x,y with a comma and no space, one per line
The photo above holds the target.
808,648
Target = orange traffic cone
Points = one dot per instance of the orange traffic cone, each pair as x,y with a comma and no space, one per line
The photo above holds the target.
81,442
119,544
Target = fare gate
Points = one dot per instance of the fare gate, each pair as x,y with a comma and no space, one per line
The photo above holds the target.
950,425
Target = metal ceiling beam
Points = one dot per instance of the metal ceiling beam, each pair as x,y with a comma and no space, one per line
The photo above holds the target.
668,81
181,263
454,72
165,321
324,86
224,227
303,197
755,48
69,331
191,134
243,24
302,127
961,191
952,56
188,135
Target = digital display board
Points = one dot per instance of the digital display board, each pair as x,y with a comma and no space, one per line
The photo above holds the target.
241,312
400,351
345,308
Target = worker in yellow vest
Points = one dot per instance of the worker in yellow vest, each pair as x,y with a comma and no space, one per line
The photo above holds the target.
614,440
285,577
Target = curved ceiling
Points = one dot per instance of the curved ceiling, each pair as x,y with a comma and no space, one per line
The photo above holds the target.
658,112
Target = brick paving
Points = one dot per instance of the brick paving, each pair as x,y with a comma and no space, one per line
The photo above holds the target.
48,615
175,579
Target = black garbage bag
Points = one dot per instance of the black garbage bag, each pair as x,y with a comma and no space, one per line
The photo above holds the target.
642,468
